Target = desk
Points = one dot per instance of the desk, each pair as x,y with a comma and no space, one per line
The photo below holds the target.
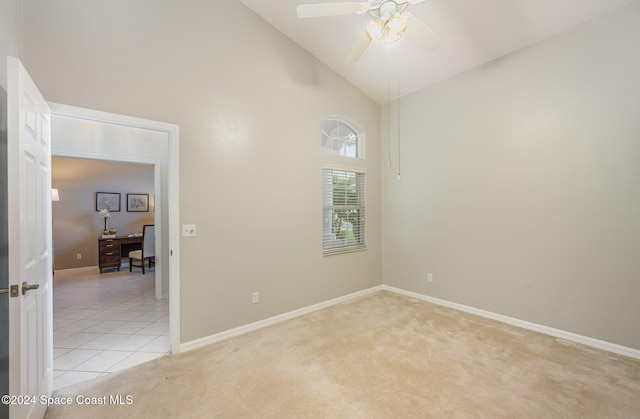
110,250
128,244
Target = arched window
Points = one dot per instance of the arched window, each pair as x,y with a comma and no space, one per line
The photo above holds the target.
339,136
343,187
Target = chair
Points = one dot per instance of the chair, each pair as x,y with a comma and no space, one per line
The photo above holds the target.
148,250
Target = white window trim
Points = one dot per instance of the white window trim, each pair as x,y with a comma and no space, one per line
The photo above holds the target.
344,168
362,138
352,248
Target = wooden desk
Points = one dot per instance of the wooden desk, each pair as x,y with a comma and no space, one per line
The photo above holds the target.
110,250
128,244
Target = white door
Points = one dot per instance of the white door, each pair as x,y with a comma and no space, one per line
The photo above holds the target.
30,263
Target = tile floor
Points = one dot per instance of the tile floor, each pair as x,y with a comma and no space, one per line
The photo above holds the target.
104,323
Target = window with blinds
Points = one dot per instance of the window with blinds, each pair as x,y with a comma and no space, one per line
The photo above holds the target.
343,210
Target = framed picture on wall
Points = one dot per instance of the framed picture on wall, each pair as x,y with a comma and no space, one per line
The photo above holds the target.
138,202
108,200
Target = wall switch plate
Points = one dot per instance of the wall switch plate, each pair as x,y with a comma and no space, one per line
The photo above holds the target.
79,256
188,230
255,297
430,277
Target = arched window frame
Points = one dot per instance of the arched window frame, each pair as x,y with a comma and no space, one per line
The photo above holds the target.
343,137
343,145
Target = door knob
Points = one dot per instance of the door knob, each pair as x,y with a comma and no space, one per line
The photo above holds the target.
26,287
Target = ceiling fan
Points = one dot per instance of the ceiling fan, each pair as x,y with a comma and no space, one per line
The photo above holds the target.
391,23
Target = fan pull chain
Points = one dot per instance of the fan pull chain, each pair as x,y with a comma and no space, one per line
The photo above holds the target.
388,106
398,103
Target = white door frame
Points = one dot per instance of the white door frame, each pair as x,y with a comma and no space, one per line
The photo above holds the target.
171,132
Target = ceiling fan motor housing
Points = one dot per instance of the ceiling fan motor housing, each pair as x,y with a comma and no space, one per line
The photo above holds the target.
390,23
387,8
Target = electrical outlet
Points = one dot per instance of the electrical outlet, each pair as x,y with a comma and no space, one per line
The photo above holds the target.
188,230
256,297
430,277
79,256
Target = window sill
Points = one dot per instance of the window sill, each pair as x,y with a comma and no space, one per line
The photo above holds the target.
341,251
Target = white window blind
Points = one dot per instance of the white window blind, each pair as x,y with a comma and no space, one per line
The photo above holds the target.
343,211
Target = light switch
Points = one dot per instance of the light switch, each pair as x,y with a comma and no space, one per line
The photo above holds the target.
188,230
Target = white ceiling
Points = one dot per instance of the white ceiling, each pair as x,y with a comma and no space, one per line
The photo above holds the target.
474,32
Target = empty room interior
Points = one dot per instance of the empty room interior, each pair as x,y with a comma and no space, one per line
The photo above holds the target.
467,194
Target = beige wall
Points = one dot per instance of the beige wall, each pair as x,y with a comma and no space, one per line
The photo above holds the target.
248,102
10,35
521,185
76,223
520,178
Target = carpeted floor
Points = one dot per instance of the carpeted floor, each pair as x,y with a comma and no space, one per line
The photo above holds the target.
380,356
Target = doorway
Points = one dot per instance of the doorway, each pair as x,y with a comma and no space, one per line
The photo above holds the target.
103,320
88,134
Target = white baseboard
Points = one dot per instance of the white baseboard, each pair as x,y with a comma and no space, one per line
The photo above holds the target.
572,337
92,269
207,340
569,336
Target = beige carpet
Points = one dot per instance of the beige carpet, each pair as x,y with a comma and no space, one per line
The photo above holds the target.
381,356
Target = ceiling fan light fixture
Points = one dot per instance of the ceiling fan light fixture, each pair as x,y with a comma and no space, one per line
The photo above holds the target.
391,36
394,28
397,23
375,30
390,23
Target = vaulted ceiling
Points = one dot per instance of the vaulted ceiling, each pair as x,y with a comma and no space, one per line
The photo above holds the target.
474,32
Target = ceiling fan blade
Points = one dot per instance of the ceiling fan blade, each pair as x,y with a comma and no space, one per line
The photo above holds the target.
358,48
330,9
415,1
418,31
